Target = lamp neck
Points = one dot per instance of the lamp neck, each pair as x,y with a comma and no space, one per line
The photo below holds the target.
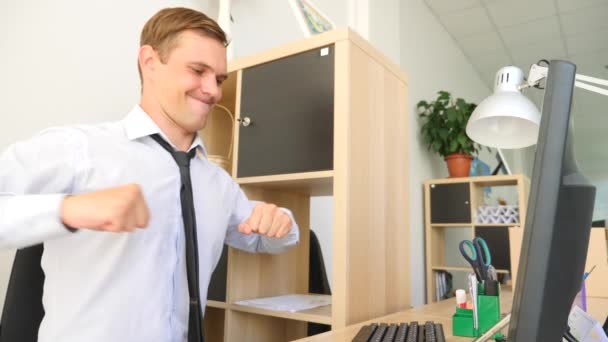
508,79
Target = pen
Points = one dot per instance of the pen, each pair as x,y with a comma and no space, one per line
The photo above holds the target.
491,273
588,273
473,291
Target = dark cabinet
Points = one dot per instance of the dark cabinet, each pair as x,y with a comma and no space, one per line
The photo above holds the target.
217,283
450,203
290,103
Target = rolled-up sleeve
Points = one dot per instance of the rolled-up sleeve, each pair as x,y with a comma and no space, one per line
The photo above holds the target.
35,176
255,243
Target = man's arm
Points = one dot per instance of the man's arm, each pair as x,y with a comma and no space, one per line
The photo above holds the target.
36,177
259,227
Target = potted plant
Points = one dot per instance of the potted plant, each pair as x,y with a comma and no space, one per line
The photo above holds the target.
444,131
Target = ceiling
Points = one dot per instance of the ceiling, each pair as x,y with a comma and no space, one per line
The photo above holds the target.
496,33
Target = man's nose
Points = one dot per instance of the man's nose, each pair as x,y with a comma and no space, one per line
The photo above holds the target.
210,87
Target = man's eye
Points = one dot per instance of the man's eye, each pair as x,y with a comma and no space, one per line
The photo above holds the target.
197,71
219,81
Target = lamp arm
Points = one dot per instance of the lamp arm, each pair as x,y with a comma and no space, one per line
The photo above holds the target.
591,88
579,83
591,80
538,73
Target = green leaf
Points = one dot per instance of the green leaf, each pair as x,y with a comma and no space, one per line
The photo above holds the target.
452,114
453,146
462,139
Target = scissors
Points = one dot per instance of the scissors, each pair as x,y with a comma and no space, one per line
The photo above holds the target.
478,260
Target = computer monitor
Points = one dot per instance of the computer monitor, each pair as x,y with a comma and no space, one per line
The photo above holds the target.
558,222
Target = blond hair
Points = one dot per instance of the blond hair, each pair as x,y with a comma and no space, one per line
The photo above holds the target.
161,31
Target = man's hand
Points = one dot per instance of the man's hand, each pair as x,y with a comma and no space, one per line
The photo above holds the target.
119,209
267,220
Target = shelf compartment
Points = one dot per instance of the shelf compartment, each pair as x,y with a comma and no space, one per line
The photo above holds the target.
214,323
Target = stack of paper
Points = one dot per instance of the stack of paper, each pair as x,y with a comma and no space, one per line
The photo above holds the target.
291,303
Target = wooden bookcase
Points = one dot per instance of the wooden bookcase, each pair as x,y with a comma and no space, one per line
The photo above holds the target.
328,117
451,203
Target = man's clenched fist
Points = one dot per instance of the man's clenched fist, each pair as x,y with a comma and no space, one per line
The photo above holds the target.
267,220
119,209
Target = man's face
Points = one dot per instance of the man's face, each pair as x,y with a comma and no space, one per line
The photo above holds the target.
188,84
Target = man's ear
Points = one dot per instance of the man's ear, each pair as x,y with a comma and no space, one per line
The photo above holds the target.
147,59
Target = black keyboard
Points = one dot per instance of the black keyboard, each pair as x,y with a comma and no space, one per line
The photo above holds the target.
401,332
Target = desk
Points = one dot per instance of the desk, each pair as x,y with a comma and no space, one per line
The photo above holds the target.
441,312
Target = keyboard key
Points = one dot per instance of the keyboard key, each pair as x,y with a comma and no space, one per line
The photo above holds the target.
379,333
401,333
390,333
412,334
421,333
439,332
429,332
365,333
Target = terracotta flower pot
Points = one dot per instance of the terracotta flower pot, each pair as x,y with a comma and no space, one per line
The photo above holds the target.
459,164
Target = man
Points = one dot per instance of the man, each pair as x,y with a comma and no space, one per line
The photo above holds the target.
106,200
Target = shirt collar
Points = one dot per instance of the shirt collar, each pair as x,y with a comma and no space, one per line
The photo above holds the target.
138,124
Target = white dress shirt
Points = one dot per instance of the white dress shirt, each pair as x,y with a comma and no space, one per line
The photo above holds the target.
130,287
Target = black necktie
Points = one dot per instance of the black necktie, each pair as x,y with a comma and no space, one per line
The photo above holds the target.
195,329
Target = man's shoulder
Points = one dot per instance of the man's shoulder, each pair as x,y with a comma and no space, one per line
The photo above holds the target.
84,131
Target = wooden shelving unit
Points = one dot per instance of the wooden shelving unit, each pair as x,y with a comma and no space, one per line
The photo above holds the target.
451,203
329,117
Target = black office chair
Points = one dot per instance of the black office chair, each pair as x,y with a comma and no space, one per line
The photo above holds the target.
23,309
317,280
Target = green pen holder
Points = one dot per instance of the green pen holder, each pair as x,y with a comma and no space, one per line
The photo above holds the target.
488,314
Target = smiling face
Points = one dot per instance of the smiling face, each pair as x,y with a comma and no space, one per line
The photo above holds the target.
187,83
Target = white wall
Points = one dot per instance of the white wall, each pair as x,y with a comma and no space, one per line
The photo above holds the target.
69,61
263,24
432,62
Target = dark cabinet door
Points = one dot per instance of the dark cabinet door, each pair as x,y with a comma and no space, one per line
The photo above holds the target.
497,239
290,102
450,203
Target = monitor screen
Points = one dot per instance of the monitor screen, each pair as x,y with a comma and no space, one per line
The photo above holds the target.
558,224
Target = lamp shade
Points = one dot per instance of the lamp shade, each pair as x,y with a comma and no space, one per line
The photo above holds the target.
506,119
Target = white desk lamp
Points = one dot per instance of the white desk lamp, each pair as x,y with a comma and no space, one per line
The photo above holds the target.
507,119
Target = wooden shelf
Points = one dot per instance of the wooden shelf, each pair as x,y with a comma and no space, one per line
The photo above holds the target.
217,304
496,180
314,183
451,225
317,315
504,225
460,269
474,225
480,181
